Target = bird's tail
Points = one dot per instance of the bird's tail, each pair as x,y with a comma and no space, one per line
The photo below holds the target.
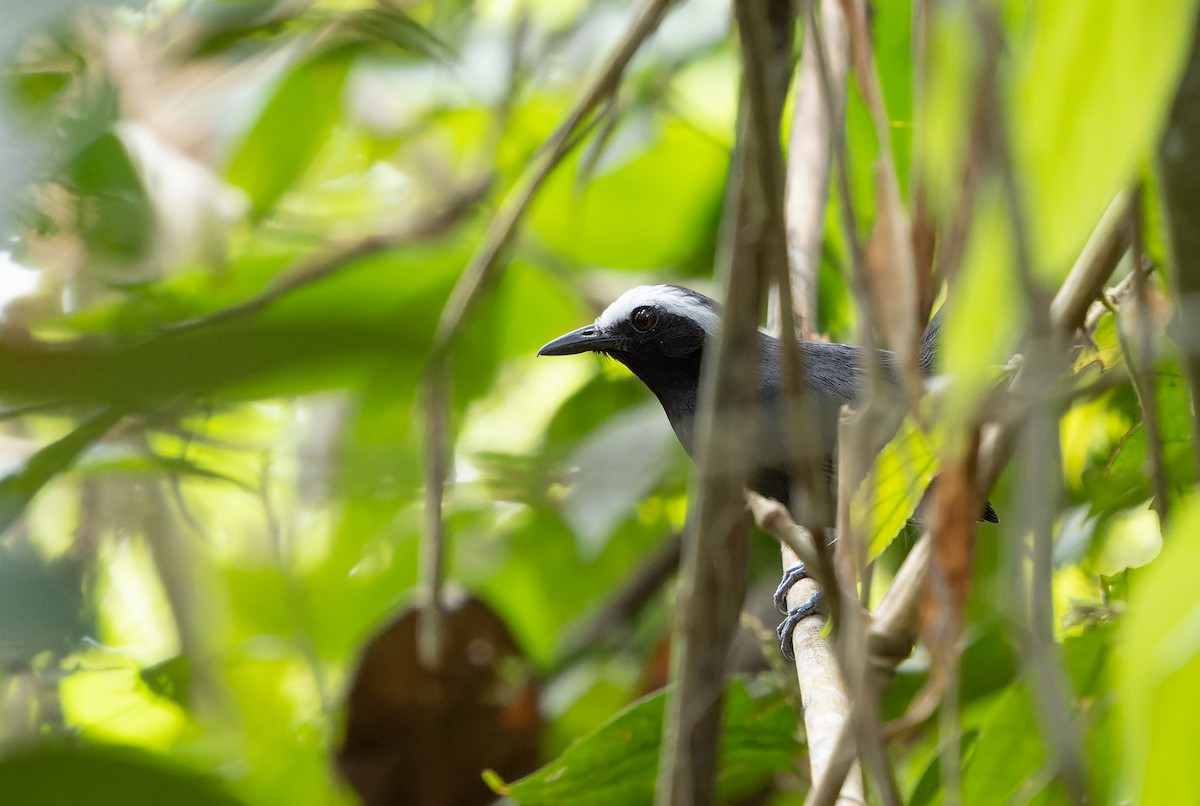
931,344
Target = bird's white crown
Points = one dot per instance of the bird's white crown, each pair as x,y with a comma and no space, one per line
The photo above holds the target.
679,301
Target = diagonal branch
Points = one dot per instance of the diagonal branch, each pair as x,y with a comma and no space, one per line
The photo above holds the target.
485,264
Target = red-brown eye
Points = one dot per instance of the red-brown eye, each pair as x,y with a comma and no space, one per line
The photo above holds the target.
643,319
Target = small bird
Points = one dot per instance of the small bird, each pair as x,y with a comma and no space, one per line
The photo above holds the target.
660,332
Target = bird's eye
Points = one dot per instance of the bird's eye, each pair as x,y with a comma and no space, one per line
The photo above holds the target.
643,319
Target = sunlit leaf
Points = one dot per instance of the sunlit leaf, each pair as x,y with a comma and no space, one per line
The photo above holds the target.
1082,69
885,501
1159,664
292,127
617,762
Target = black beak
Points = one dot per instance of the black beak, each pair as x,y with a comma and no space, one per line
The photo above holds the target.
583,340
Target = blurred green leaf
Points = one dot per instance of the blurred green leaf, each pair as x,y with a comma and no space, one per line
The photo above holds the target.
615,467
1091,84
18,488
293,126
617,762
985,316
650,211
101,775
41,607
114,214
170,679
1158,659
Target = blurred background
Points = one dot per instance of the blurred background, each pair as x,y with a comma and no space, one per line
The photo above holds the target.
229,230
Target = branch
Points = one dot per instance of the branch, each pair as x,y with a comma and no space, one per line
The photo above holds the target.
713,574
826,703
320,267
486,260
1179,183
815,120
484,265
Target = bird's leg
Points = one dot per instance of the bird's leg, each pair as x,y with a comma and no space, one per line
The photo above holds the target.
804,609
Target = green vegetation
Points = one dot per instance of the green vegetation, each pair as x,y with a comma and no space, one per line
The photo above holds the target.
241,245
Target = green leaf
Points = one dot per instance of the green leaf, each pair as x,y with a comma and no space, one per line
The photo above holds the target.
1007,753
1158,660
617,762
101,775
291,129
985,316
115,215
618,465
663,201
890,495
1091,86
42,607
18,488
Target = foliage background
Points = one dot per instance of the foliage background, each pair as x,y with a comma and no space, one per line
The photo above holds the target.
210,511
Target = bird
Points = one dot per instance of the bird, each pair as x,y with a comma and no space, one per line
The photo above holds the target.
660,333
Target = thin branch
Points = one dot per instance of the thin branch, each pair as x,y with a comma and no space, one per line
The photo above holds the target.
1100,256
713,577
810,152
1143,372
320,267
431,555
486,260
826,703
484,265
623,606
817,135
1178,167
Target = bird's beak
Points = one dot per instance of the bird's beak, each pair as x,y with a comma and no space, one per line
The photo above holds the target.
585,339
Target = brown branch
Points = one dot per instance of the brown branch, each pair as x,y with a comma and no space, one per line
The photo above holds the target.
431,555
556,147
483,266
623,606
810,151
1179,183
713,574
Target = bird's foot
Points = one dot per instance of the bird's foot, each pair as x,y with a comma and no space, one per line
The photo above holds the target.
788,626
790,578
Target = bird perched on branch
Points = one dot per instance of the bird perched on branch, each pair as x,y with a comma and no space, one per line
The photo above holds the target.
660,333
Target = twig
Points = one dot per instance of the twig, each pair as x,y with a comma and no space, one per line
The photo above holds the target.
320,267
302,628
1099,256
431,555
1179,180
810,151
486,263
826,703
894,303
623,607
712,579
1143,372
556,147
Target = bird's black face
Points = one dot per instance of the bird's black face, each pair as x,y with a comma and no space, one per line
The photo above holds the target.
647,324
